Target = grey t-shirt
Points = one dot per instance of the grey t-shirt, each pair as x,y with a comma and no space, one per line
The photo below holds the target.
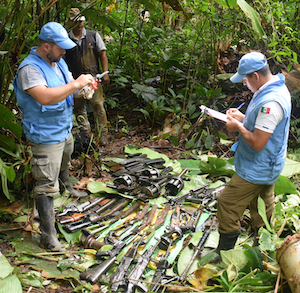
29,76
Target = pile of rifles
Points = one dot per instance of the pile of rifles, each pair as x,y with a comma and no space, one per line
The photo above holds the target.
140,231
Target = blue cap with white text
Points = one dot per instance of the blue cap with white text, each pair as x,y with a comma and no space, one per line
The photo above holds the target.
56,33
249,63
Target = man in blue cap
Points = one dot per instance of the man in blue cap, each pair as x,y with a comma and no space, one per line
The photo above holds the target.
44,88
261,150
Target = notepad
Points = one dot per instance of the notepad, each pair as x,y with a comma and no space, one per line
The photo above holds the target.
214,113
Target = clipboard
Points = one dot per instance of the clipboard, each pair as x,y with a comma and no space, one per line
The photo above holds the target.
214,113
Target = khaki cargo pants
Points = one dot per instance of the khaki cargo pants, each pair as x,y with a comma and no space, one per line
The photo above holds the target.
236,197
47,161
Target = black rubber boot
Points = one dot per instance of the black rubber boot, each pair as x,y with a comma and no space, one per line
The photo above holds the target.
226,242
49,239
64,183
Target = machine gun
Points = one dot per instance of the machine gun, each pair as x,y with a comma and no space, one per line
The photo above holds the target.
93,274
118,277
208,195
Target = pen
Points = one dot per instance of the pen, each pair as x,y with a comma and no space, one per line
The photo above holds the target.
240,106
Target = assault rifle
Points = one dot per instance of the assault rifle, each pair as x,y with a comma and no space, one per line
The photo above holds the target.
162,266
92,218
208,195
95,209
118,277
132,280
181,198
93,274
80,208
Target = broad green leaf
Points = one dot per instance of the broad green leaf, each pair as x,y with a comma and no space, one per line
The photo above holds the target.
255,258
290,168
216,167
11,284
11,153
148,93
191,165
197,235
216,92
174,140
21,219
236,257
225,141
267,240
262,211
25,244
145,112
5,267
100,187
184,259
7,142
254,17
6,121
4,181
209,141
150,154
10,173
50,269
71,238
217,163
190,143
284,186
213,239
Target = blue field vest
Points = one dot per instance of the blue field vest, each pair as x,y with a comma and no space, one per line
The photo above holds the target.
48,124
265,166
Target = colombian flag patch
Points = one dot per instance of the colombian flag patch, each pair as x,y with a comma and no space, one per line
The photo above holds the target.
265,110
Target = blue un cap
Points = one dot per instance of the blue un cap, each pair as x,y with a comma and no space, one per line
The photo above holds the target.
249,63
56,33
